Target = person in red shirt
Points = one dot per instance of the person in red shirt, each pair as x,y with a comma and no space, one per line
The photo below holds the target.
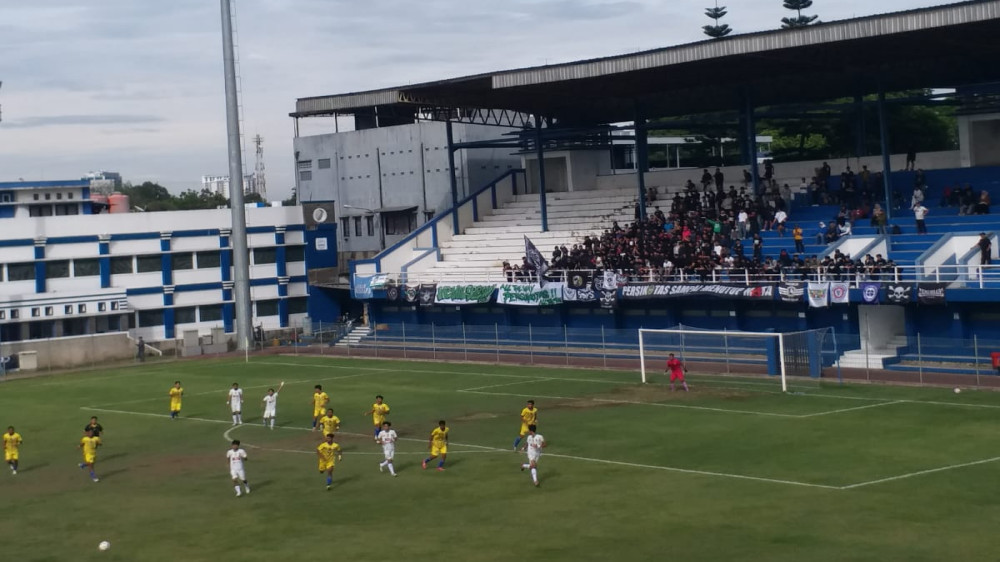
677,370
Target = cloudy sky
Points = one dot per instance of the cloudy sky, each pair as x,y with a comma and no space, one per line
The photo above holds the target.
136,86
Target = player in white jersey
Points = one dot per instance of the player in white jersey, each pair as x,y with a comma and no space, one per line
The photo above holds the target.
236,456
271,405
387,437
533,445
235,401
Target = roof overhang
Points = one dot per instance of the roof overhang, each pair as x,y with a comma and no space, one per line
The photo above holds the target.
944,46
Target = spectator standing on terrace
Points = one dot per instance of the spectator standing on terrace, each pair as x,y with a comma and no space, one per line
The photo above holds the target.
720,179
706,179
799,244
919,213
780,217
879,220
911,157
983,207
985,249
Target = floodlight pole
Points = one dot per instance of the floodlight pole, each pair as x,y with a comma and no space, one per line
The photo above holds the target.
241,258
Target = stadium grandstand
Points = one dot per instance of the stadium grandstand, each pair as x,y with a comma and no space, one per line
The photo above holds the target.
890,246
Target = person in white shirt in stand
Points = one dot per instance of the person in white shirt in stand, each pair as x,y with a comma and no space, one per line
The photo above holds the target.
741,224
235,401
236,456
919,212
533,445
387,438
271,405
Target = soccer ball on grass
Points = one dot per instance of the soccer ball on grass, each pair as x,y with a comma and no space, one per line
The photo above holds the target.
104,545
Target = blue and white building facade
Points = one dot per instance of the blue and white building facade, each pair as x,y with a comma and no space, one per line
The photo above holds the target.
154,274
45,198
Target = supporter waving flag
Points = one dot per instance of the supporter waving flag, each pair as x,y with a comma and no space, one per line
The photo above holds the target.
536,260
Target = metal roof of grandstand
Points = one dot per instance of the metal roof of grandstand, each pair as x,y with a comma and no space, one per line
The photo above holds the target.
940,47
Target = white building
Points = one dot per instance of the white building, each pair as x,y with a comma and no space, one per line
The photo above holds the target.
220,184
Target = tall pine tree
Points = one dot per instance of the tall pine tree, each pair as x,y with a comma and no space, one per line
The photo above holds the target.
717,31
799,20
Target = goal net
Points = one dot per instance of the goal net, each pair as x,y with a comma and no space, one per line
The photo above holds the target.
780,354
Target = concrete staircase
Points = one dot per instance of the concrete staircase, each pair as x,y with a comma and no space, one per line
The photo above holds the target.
478,254
856,358
354,337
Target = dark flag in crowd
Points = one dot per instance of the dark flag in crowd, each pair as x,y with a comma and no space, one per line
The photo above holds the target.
427,293
898,294
392,293
536,260
870,292
791,292
931,293
410,293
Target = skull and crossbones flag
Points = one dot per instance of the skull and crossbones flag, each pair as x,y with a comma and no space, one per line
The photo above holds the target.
899,294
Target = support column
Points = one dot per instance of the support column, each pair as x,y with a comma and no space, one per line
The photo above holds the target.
40,271
227,280
641,159
452,180
282,253
169,319
283,301
540,153
104,262
751,136
166,261
883,127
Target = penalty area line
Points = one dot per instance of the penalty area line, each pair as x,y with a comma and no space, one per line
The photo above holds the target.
918,473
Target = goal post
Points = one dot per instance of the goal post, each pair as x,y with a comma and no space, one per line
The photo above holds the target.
780,354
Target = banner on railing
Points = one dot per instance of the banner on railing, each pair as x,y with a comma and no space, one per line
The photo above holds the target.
931,293
379,280
426,293
609,298
870,292
362,287
647,291
586,294
410,293
819,295
392,293
840,293
791,292
469,293
527,294
899,294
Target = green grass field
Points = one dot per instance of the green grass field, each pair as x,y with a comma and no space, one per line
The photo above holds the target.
735,470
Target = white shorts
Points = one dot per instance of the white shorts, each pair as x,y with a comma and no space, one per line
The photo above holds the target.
389,451
237,407
270,413
237,474
533,457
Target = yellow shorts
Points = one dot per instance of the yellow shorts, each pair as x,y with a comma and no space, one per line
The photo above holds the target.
10,456
89,459
318,412
439,450
326,465
175,406
524,429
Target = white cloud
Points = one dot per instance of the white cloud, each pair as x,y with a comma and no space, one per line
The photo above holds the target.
137,86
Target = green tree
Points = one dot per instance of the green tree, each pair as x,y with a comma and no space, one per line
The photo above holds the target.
291,201
716,30
253,198
799,20
149,196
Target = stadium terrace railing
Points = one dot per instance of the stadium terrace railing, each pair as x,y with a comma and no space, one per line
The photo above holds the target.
961,276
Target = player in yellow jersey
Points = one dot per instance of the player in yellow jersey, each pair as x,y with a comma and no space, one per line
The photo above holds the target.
378,413
529,416
89,444
11,446
319,401
327,451
439,445
175,400
329,423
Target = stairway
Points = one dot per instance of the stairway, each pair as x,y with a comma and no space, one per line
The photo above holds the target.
354,337
855,358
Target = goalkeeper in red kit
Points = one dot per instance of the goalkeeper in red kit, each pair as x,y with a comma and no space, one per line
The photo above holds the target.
677,370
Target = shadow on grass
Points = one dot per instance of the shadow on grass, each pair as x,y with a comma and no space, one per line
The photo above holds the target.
112,456
32,467
102,475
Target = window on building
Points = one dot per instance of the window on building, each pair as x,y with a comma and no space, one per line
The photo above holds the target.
150,318
305,164
59,196
185,315
305,175
69,195
209,260
428,215
299,305
149,264
81,308
57,269
370,222
102,307
263,256
21,272
114,305
400,223
36,197
267,308
295,253
68,309
345,227
48,196
6,197
15,314
49,311
40,211
323,163
210,313
122,265
3,314
66,210
86,268
182,261
357,226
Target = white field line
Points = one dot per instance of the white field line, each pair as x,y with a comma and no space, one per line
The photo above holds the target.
655,404
473,389
842,410
918,473
485,449
224,391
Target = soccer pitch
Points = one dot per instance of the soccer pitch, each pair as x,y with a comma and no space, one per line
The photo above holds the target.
733,470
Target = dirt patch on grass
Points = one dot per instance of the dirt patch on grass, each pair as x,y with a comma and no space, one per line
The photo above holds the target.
648,394
476,416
